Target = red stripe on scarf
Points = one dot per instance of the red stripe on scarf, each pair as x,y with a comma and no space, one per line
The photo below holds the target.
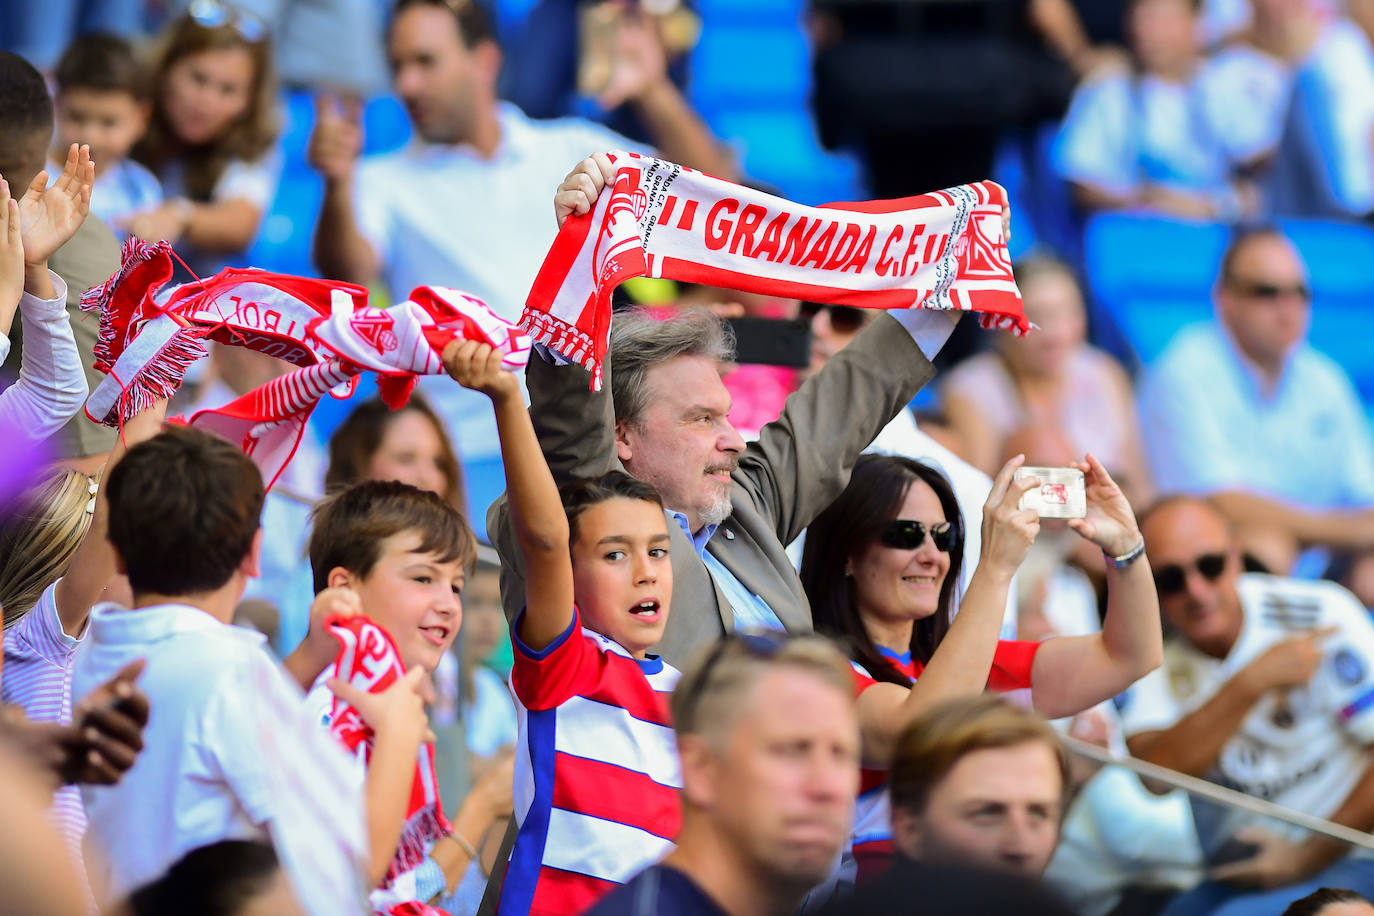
369,660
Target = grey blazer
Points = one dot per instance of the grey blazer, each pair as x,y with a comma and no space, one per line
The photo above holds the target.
799,465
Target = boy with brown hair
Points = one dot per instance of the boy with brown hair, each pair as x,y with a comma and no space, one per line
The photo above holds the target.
228,753
402,555
104,100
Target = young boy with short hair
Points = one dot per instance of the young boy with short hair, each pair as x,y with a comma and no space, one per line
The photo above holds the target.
403,555
104,99
229,753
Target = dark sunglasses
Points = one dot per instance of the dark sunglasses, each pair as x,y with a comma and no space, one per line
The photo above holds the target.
908,534
1170,580
760,644
214,14
843,318
1271,292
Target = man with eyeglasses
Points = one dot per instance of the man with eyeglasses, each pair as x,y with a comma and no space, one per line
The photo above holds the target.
769,743
1243,409
1267,687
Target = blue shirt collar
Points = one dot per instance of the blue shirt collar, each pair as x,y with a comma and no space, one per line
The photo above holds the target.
700,538
900,657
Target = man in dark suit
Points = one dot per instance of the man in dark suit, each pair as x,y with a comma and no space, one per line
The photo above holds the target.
661,415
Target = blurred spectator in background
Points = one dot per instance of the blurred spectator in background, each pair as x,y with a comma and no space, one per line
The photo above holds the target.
1324,165
1242,408
104,100
87,259
487,708
925,91
212,137
1265,688
466,203
564,59
1049,378
320,44
1175,133
410,445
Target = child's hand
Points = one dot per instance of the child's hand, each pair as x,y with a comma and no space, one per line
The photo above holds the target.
51,215
11,251
399,710
478,366
579,191
319,648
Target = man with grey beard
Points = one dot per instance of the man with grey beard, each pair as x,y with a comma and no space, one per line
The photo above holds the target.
662,415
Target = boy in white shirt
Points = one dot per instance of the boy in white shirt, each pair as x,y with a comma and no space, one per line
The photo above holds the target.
229,753
104,99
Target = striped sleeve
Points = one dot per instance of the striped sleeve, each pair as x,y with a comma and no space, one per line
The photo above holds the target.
549,677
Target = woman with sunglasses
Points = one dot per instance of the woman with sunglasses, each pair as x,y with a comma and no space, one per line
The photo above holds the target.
880,567
212,136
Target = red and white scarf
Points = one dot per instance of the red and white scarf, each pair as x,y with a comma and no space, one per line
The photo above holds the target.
150,333
942,250
369,661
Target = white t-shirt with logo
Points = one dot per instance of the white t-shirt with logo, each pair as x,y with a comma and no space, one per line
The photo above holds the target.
1304,748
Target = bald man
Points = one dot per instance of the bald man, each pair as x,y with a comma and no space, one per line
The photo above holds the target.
1267,687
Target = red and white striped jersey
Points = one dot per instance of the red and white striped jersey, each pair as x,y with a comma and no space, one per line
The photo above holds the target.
597,775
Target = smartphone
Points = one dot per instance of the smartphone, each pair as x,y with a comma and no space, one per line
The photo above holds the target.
1061,493
772,341
598,29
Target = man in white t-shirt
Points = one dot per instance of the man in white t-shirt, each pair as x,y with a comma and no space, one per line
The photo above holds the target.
466,203
1267,687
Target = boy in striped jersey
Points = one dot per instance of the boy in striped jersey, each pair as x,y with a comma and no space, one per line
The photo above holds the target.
597,774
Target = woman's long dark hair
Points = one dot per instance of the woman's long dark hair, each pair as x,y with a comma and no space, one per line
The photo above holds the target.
872,500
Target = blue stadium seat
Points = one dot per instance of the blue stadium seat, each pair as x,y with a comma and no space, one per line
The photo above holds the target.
755,65
780,147
485,480
1149,322
1126,255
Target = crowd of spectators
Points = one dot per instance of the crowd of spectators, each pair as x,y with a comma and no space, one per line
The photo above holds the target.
854,673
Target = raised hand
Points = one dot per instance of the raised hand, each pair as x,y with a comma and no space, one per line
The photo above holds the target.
336,141
399,710
1110,521
49,216
638,62
1008,532
11,257
477,365
578,192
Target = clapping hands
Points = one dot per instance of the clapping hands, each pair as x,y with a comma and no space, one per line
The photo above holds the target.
50,216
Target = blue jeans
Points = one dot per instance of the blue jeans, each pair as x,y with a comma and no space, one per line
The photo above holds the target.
1218,899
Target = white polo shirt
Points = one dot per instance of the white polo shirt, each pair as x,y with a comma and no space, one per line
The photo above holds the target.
1304,748
445,216
228,753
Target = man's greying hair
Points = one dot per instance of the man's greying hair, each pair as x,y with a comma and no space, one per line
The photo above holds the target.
708,695
640,342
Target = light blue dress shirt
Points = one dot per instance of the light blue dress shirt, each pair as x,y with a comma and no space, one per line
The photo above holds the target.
751,611
1209,425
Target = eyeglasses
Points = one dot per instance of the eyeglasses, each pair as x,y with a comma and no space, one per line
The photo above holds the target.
1172,579
214,14
843,318
908,534
1271,292
760,644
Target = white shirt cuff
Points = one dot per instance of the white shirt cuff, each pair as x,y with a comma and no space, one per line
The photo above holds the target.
930,328
33,307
